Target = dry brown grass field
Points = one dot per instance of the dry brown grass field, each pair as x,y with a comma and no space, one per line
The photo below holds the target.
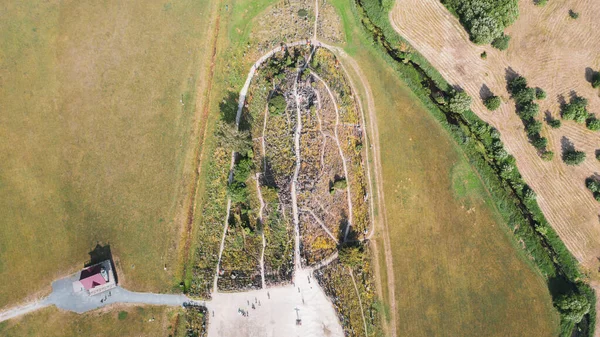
98,124
138,322
552,51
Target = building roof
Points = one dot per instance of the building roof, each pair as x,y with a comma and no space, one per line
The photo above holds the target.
91,277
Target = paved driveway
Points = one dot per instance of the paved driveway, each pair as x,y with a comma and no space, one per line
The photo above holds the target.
65,298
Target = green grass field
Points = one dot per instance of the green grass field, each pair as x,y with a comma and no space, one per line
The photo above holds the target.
137,322
458,270
98,102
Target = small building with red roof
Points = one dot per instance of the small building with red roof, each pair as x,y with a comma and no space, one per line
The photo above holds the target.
95,279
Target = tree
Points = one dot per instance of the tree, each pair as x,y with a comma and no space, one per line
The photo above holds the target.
592,184
238,192
554,123
517,84
492,103
539,142
533,128
524,96
459,102
573,307
528,110
573,157
596,79
501,42
230,137
351,255
576,110
540,93
593,123
485,29
242,170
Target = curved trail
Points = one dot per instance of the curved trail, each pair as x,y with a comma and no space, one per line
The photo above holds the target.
238,116
264,243
321,223
296,219
373,144
337,141
362,312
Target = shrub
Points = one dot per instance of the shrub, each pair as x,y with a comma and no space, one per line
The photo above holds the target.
459,102
492,103
573,307
540,93
351,256
302,13
573,157
593,123
483,55
573,14
592,184
576,110
596,79
554,123
548,155
533,127
277,105
539,142
501,42
541,3
122,315
597,154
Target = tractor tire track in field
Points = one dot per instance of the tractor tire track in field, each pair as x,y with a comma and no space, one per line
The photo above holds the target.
199,151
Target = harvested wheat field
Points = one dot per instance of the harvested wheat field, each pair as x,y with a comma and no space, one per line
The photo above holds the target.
552,51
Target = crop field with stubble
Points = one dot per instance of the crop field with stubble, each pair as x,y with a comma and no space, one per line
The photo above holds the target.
98,105
555,53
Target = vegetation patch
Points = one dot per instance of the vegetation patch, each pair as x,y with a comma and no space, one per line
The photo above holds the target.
485,20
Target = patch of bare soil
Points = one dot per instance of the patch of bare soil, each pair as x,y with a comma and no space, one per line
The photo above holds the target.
553,52
329,25
284,22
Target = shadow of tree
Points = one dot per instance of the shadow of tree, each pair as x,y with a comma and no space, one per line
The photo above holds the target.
566,145
485,92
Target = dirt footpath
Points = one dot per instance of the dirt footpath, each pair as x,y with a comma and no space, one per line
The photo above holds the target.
552,51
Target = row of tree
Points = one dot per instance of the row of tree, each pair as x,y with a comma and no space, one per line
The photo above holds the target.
524,97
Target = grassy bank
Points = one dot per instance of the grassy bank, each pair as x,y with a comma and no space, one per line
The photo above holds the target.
128,321
512,197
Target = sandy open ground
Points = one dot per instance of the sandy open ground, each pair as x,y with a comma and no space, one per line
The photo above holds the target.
552,51
275,316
